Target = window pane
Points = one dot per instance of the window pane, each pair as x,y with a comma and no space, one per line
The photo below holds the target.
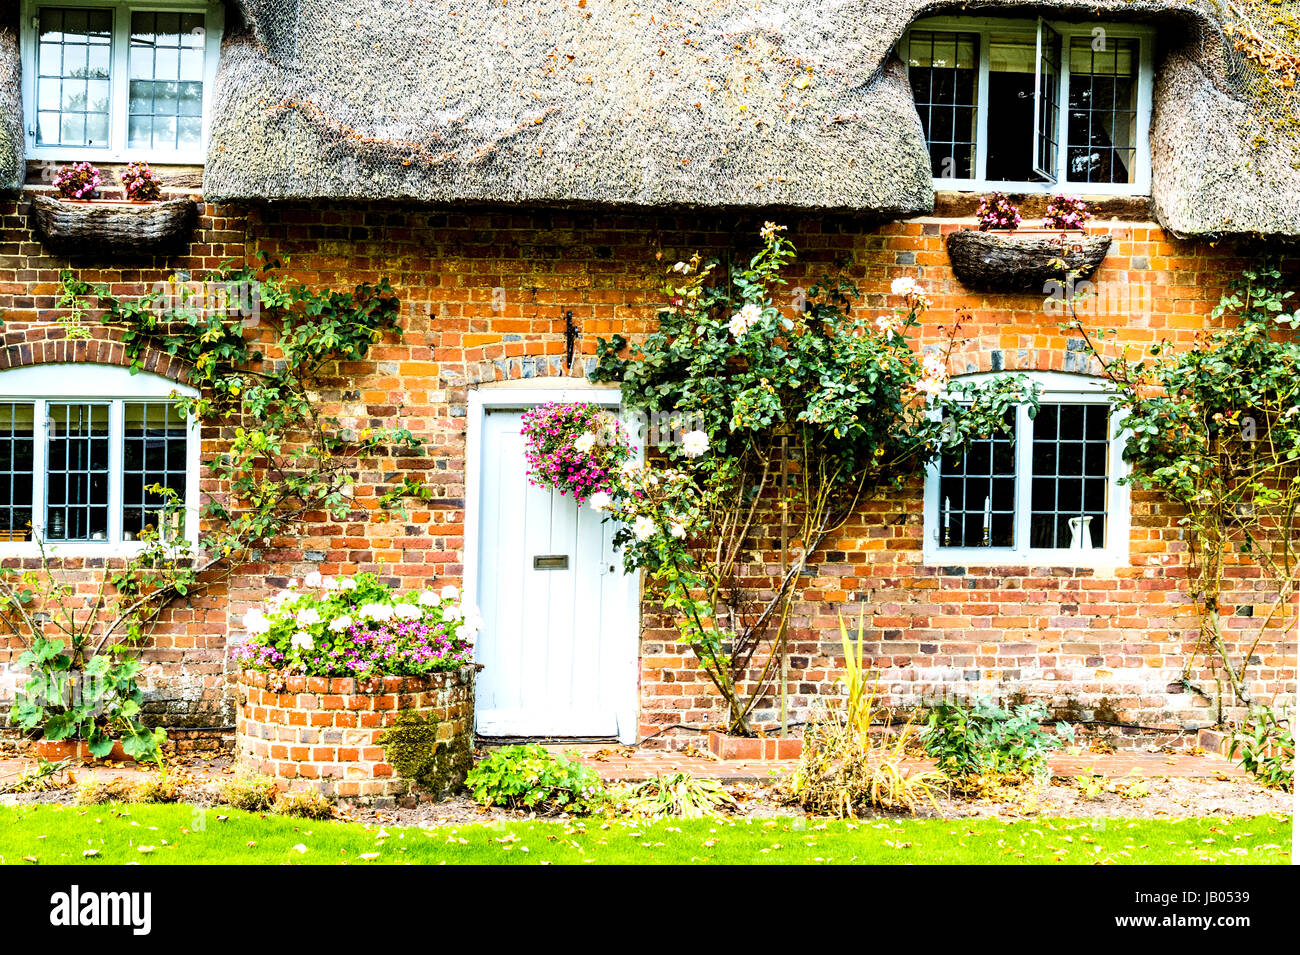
17,443
977,494
1102,129
166,79
1070,459
73,66
1012,67
153,454
942,69
76,505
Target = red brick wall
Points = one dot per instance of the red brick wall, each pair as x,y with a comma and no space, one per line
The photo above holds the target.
484,295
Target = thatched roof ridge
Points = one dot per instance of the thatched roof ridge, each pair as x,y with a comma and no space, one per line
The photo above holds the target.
714,103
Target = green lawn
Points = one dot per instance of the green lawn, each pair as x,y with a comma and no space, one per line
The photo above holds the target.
112,834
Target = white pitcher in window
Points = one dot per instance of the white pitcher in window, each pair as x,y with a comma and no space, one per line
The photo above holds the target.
1080,533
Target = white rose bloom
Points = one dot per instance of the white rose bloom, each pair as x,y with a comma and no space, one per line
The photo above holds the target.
904,286
677,530
585,442
695,443
313,579
339,624
454,612
302,640
629,468
330,583
450,592
428,598
256,622
744,320
347,583
408,611
373,611
600,501
643,528
308,617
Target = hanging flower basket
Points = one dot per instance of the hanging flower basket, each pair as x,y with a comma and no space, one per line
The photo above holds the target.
113,227
1024,260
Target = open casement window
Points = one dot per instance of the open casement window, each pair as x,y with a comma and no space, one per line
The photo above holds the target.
86,452
1047,492
1047,81
110,81
1033,106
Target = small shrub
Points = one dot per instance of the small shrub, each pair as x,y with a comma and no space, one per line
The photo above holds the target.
679,794
250,792
988,741
1265,746
140,182
80,180
93,792
157,787
529,776
304,803
844,767
996,211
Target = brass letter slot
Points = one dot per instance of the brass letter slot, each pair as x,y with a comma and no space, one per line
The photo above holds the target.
551,562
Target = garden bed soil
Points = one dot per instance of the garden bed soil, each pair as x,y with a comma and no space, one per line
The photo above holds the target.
200,780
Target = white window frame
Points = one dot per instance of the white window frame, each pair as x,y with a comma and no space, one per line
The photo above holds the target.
1054,388
117,150
1141,186
41,385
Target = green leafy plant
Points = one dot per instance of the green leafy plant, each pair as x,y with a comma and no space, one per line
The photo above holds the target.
793,410
68,697
986,740
42,777
845,766
529,776
1265,745
677,794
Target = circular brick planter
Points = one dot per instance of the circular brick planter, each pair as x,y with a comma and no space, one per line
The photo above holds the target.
371,741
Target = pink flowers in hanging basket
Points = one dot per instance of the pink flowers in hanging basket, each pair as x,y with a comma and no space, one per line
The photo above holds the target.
79,181
140,182
996,211
573,448
1066,212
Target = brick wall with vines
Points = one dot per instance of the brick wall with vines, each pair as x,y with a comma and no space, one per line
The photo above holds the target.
484,293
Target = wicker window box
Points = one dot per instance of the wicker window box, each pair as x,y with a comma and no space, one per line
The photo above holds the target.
1024,260
113,227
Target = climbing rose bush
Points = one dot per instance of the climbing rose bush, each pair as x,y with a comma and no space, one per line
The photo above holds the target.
574,448
358,627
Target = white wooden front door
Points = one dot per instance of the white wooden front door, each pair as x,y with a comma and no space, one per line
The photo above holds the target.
554,601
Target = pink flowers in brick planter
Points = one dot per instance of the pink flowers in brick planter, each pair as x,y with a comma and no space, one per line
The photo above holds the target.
574,448
357,627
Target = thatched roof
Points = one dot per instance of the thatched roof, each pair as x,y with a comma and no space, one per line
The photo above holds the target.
793,103
11,113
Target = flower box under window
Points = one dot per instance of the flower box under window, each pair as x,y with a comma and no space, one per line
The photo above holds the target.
114,227
1023,261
